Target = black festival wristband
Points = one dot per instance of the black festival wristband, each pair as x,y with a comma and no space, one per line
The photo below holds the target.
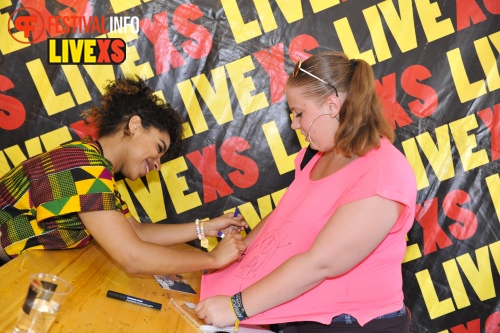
238,308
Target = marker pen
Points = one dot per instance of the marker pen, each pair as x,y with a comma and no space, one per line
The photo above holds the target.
134,300
236,212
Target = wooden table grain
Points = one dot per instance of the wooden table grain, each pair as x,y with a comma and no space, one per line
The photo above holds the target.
92,273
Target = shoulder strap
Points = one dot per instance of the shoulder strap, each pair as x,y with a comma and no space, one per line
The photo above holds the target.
310,152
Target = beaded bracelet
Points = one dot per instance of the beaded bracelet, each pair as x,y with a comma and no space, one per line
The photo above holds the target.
197,226
201,233
204,240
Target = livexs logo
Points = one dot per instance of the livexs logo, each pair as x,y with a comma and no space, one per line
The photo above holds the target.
83,50
86,51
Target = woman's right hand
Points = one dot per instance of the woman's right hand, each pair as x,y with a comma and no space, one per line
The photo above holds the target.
229,250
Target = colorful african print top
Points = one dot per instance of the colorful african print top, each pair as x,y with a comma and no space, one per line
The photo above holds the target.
40,199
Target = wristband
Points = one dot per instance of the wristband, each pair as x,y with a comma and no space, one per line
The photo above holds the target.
237,322
237,305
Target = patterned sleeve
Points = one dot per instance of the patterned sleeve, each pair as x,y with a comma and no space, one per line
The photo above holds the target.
121,204
82,189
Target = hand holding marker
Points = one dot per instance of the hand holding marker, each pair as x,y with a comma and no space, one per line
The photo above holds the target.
236,212
221,235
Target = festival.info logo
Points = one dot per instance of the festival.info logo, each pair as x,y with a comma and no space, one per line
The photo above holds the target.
93,51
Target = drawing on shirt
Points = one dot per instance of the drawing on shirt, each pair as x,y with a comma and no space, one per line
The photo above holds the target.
260,254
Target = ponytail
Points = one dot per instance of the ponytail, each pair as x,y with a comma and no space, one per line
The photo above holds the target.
362,121
361,118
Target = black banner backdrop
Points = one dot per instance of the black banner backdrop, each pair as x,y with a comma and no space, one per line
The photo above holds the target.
223,65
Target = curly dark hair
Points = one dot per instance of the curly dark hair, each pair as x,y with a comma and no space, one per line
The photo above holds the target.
127,97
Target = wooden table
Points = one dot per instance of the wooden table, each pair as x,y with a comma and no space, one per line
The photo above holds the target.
92,273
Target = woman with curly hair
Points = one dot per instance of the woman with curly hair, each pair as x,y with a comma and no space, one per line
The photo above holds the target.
61,198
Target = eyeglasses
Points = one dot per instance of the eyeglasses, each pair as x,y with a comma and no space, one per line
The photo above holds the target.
297,68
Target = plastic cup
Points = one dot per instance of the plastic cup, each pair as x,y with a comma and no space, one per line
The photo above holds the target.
45,296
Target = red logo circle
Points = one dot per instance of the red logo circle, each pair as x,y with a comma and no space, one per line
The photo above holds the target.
25,24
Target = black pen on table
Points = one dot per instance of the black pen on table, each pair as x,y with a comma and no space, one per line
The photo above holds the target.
134,300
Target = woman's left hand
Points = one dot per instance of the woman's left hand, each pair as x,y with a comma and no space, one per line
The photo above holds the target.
216,311
225,223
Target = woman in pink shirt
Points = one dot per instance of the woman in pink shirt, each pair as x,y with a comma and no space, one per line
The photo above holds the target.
328,258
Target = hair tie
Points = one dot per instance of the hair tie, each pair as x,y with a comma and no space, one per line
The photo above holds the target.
353,64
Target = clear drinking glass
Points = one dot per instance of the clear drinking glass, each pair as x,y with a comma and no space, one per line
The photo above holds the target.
45,296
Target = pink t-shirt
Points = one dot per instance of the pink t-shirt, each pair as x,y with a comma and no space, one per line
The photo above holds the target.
373,287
